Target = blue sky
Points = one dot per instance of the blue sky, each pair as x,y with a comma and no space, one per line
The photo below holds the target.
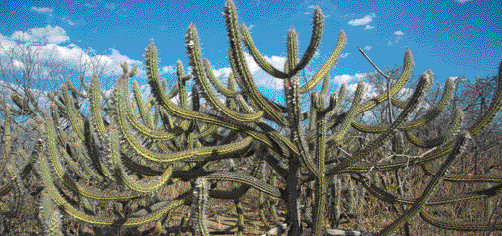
450,37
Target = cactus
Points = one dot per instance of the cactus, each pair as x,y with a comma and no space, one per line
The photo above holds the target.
129,149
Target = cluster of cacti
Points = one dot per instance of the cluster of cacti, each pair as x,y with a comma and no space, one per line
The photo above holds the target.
127,150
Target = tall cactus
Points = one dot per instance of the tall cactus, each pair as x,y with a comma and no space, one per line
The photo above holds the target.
128,150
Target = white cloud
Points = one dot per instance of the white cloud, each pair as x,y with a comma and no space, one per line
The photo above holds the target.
41,9
168,69
263,79
399,32
70,57
342,79
363,21
367,48
48,34
250,27
369,27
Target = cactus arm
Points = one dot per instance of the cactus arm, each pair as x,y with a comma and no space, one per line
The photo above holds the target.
97,220
246,179
145,114
95,104
449,225
452,131
326,67
342,130
49,215
242,68
458,150
320,153
260,60
193,49
495,106
431,114
217,85
398,85
74,117
199,207
417,97
476,128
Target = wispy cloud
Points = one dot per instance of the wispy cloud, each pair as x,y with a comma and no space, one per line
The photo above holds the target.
41,9
367,48
399,32
363,21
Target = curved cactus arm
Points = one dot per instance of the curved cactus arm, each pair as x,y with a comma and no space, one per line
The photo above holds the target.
94,153
449,225
326,67
242,70
476,128
292,93
182,89
43,167
19,189
429,116
315,41
495,106
452,131
245,179
458,150
398,85
73,89
489,178
238,192
148,187
325,85
217,85
70,183
190,154
347,120
152,69
194,53
123,108
260,60
386,196
142,186
95,104
74,115
145,114
417,97
4,190
82,81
